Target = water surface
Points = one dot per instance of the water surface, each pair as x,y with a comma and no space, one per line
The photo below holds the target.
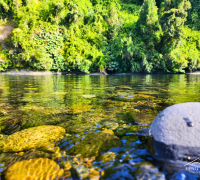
87,104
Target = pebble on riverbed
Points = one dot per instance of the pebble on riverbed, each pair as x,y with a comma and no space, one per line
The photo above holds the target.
176,132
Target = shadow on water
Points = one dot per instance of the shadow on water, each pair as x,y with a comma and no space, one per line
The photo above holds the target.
106,119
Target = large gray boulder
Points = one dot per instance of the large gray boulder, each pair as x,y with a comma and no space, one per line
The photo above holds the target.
176,132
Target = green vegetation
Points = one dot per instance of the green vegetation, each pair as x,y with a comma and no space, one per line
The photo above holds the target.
99,35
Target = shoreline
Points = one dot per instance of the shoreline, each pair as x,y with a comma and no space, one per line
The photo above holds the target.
24,72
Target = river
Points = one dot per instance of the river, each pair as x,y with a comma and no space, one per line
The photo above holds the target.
86,105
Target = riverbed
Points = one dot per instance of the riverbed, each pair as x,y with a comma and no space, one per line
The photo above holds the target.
106,119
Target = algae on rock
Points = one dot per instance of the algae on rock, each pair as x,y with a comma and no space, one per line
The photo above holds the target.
31,138
76,128
95,143
43,119
8,159
39,168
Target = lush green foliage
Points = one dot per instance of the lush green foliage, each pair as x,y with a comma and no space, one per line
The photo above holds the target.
98,35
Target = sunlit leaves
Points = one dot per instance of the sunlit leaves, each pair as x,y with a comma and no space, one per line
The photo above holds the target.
98,35
4,5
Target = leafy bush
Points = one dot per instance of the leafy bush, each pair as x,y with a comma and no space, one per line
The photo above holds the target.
98,35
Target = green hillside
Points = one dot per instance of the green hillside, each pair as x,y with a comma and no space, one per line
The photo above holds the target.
98,35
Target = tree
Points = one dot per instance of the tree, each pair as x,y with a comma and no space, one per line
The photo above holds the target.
148,24
149,29
173,17
4,6
194,15
158,3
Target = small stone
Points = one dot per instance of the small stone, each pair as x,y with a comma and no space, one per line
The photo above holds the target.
124,87
146,170
88,95
107,157
112,126
94,172
67,174
57,155
109,131
20,153
102,173
67,165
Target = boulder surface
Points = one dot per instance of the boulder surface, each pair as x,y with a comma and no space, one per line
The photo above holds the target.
176,132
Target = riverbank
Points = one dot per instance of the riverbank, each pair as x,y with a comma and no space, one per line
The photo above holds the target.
197,72
25,72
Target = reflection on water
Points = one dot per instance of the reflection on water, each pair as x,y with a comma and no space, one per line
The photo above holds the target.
106,119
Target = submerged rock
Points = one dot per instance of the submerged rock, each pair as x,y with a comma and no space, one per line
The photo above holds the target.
176,132
124,87
11,128
76,128
123,130
112,125
94,143
43,119
140,171
89,96
107,157
80,107
39,168
31,138
146,170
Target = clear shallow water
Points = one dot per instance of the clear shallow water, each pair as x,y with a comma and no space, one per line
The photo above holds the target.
87,105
